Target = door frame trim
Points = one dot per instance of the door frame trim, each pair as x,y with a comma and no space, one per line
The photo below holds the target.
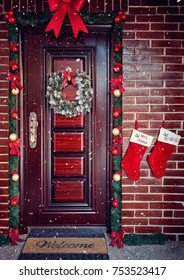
24,131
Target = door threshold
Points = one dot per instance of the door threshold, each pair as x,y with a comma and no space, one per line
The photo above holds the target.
70,231
93,229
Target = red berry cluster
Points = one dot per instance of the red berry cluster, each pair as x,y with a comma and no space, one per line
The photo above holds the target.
117,47
115,202
13,65
13,47
14,114
117,112
117,67
119,17
14,201
9,16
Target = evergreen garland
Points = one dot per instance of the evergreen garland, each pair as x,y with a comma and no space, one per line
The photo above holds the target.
13,160
116,224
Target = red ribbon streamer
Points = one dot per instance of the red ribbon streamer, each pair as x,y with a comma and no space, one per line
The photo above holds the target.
14,147
62,7
117,237
69,76
117,83
15,80
14,235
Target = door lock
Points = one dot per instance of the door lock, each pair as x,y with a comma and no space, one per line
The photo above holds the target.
33,125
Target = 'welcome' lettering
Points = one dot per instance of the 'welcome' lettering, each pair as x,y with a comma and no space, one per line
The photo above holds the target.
55,245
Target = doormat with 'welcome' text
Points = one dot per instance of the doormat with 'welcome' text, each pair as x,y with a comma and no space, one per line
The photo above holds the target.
59,247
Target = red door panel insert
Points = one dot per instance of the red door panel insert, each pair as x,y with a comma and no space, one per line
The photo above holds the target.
69,166
63,122
69,142
68,191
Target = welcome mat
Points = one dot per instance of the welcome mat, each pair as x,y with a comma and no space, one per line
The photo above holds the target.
64,245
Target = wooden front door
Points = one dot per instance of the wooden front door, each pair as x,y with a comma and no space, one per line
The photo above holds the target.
65,175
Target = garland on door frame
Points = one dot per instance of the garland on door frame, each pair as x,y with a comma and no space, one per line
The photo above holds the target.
14,20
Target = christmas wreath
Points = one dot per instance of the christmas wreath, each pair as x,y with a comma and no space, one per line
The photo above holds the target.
84,94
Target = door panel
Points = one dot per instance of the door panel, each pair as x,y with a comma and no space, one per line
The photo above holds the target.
69,142
65,178
69,191
69,166
62,122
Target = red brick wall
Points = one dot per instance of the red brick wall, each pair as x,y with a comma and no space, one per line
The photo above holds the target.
153,71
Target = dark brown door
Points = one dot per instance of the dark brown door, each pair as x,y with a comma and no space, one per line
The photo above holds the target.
65,177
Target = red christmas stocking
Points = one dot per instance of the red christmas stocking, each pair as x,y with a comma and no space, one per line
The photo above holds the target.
162,151
159,157
135,152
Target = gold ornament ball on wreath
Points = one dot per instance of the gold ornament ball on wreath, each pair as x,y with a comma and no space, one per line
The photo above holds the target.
15,91
117,93
13,137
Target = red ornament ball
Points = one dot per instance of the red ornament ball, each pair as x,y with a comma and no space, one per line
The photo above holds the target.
6,16
11,13
11,19
120,13
115,114
115,202
116,49
117,69
114,152
14,49
14,114
14,66
123,17
14,201
117,19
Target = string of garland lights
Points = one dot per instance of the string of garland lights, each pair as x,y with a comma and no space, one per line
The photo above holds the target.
14,20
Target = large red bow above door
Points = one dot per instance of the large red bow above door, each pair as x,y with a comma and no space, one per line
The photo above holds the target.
62,7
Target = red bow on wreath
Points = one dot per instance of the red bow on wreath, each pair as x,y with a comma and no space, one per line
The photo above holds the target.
14,235
62,7
14,147
117,237
15,80
70,77
117,83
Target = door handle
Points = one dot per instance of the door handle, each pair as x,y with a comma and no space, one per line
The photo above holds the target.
33,125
